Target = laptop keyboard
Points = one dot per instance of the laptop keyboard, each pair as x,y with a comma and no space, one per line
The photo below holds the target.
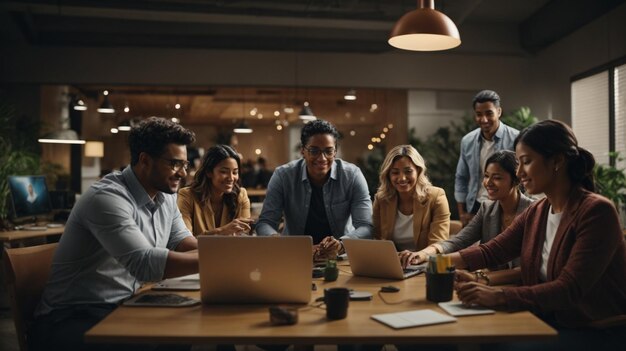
414,269
166,299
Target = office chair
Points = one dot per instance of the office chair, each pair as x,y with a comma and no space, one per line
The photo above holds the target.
26,271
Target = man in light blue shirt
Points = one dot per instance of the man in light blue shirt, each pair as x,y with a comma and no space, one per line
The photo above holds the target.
318,195
125,230
476,146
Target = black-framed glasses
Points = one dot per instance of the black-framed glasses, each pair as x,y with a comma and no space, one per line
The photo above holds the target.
315,152
176,165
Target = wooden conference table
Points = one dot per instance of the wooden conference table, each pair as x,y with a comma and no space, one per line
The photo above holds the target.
11,238
249,324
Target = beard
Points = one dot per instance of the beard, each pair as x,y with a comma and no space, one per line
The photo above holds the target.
162,183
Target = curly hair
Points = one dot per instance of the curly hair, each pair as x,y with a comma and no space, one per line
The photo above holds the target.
317,126
386,189
153,135
201,185
550,138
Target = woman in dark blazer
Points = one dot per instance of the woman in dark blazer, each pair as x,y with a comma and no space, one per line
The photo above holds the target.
571,246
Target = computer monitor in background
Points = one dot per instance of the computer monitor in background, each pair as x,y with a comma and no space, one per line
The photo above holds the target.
30,197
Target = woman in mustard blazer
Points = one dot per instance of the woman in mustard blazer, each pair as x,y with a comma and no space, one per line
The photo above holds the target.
407,208
214,204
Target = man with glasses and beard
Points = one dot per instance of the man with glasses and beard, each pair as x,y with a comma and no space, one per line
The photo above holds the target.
318,195
125,230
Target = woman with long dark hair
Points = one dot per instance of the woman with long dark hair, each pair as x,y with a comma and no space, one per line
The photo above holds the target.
214,204
571,246
505,202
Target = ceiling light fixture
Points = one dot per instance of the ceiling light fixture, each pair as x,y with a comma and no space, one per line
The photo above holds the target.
425,29
306,114
79,105
63,134
106,106
350,95
242,128
124,126
67,136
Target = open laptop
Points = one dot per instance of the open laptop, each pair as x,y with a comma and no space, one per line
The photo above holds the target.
377,259
257,269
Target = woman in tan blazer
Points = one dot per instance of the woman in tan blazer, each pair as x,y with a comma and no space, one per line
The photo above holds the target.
407,208
214,204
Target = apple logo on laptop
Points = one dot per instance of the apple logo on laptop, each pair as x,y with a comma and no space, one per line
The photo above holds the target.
255,275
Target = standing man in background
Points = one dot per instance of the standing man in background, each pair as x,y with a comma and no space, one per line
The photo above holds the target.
476,146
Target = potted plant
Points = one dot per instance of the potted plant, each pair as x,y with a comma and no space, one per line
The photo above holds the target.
611,183
19,152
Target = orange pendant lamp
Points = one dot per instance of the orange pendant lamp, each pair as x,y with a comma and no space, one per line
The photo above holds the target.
425,29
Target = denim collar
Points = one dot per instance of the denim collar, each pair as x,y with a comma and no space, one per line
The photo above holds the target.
304,176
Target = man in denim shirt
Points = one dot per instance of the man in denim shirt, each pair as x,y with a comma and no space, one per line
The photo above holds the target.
319,195
476,146
125,230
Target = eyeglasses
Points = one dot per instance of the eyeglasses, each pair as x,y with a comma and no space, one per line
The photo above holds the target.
176,165
315,152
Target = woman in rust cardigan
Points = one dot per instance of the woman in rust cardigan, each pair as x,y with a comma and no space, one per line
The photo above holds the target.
407,208
214,204
571,246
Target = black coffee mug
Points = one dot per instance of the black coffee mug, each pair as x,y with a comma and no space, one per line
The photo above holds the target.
336,300
439,286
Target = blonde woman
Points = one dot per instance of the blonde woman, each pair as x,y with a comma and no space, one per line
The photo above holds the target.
408,209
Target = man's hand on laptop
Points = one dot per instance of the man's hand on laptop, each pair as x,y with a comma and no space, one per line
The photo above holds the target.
408,258
238,226
328,248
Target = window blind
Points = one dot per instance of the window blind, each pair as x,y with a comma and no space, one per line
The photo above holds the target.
620,113
590,114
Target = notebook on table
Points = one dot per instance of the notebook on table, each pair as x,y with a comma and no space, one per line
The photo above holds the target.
399,320
248,270
377,259
458,309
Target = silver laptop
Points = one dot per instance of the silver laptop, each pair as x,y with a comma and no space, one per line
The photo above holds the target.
377,259
255,269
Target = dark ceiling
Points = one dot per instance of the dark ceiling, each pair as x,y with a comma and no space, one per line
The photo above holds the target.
297,25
